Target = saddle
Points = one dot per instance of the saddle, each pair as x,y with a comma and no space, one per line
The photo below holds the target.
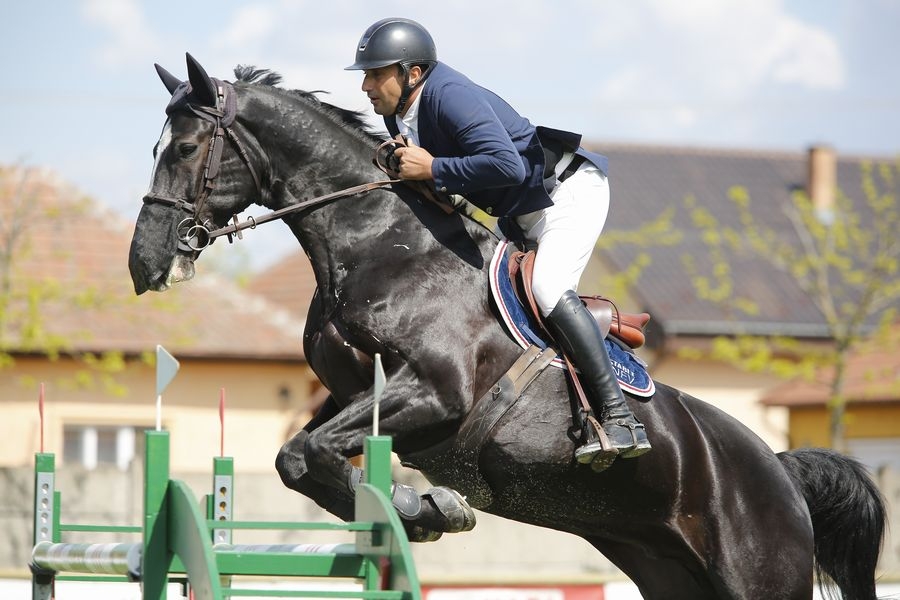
628,328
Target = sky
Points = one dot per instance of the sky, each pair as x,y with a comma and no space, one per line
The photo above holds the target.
79,94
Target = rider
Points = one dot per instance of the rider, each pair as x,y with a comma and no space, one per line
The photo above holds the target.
545,189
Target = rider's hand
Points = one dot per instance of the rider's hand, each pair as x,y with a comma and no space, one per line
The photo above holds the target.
415,162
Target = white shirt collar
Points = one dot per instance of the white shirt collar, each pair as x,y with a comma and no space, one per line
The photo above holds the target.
409,123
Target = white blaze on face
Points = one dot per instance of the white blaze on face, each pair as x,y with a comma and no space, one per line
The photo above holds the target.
164,140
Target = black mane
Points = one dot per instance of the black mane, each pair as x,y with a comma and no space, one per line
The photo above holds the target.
354,119
250,74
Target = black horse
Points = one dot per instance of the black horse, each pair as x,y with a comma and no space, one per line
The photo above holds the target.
711,512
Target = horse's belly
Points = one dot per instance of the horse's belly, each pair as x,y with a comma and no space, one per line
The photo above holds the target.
545,440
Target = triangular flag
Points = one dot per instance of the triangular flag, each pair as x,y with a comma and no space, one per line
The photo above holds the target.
166,368
379,389
380,380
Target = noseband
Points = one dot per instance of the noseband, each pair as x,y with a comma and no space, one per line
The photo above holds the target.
192,234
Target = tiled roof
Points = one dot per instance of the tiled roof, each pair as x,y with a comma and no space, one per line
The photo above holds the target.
872,376
77,252
289,283
646,180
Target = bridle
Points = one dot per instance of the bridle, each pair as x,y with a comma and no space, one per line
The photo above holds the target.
194,235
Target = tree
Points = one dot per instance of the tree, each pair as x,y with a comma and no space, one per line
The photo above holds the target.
29,206
845,260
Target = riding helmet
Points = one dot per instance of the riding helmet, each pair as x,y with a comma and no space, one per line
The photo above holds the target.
394,41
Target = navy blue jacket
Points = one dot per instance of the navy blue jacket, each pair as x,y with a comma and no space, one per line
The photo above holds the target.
483,149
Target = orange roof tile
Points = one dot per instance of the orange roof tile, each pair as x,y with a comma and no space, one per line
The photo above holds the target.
289,283
872,375
73,255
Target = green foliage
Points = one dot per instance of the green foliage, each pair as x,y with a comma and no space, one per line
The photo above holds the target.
658,232
845,259
27,299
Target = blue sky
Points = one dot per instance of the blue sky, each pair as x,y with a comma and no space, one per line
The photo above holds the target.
79,94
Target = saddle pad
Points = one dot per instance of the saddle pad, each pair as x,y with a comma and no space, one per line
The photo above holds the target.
630,370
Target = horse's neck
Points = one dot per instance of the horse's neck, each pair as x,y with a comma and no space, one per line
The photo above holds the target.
310,152
306,172
311,155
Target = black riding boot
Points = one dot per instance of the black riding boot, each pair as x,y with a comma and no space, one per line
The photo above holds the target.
576,331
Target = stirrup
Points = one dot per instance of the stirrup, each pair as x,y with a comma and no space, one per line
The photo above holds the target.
597,449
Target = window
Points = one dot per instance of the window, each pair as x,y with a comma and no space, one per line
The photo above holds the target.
99,445
876,453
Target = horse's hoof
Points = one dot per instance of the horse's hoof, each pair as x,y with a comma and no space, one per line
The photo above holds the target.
417,533
450,503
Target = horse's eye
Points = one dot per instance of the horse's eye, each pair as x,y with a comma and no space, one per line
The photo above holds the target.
187,150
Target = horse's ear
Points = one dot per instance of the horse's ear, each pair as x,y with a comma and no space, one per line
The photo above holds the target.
170,81
201,83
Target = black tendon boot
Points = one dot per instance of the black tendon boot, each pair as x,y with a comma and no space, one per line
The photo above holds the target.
576,331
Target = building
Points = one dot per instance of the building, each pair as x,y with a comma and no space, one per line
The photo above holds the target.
872,393
74,325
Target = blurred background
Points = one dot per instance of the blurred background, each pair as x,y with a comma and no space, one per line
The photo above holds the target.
704,107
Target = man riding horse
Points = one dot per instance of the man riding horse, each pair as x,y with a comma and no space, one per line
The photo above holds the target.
713,514
545,189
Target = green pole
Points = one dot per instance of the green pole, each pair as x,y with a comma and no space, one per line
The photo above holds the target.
378,463
44,517
46,520
222,508
157,559
222,503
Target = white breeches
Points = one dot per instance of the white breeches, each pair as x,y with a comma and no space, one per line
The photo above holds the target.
566,233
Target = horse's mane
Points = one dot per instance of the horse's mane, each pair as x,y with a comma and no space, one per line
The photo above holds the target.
355,120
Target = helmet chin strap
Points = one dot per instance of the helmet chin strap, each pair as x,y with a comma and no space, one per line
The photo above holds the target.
407,90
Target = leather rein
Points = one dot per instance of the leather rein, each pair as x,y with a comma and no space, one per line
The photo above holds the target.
194,235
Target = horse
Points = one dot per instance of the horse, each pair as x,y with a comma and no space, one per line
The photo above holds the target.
711,512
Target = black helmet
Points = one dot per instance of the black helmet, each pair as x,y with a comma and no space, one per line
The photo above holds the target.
394,41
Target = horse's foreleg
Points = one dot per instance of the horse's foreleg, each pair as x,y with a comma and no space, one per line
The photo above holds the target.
407,411
292,467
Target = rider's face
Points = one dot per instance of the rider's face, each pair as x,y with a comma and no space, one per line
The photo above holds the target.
383,86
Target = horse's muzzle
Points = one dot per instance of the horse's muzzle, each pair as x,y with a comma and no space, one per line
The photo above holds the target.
182,269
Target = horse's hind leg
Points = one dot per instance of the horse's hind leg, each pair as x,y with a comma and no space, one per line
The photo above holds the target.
680,575
658,578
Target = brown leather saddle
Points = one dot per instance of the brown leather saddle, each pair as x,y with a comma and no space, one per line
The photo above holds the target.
626,327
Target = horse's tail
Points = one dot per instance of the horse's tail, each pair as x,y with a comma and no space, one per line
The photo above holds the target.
848,517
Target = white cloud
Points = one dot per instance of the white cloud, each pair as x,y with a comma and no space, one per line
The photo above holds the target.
806,56
684,116
673,66
131,41
250,24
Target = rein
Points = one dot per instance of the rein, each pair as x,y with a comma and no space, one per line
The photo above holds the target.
382,157
195,236
236,227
